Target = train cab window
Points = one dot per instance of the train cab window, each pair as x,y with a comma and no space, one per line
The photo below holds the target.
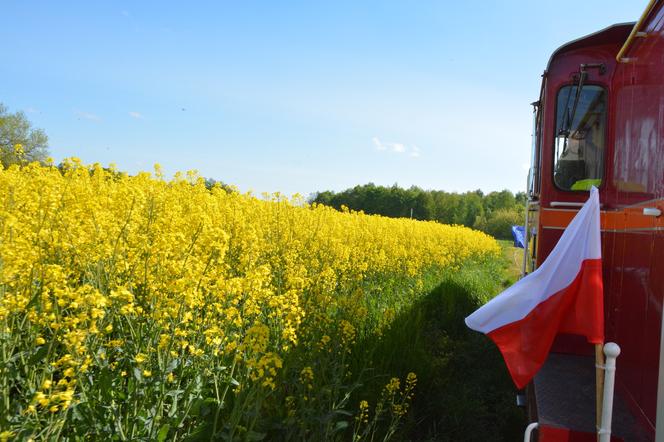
580,137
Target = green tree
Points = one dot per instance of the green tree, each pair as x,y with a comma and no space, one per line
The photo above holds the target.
19,141
423,206
489,213
499,224
445,206
521,198
499,200
469,209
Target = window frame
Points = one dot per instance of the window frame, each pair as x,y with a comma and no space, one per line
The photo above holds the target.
606,136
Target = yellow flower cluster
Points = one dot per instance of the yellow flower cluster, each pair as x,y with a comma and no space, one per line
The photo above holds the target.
363,413
106,274
392,405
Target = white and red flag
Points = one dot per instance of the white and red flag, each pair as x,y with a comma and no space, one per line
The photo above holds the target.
564,295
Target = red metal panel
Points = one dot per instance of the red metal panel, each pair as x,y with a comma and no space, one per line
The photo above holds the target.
613,282
632,152
553,434
653,75
631,311
639,177
633,244
653,328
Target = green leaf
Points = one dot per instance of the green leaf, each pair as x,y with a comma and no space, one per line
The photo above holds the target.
341,425
163,433
209,405
255,436
105,381
195,409
39,355
174,393
33,301
202,433
172,365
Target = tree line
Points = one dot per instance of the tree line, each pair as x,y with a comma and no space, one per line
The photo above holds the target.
19,141
493,213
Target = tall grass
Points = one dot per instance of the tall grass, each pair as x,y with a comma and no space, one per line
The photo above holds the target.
464,391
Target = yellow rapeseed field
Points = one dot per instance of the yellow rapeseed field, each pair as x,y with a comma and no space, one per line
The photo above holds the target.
135,307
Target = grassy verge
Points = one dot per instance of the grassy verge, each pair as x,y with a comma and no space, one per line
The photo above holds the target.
512,261
464,391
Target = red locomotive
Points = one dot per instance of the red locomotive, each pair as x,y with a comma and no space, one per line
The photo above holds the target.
599,121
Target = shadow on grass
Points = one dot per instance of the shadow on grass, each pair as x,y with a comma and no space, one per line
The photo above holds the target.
464,392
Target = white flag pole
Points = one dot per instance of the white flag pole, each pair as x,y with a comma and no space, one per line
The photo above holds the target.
611,350
599,385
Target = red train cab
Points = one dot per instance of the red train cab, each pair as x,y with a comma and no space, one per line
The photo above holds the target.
599,121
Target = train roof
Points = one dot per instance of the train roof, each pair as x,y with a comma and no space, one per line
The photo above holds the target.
616,33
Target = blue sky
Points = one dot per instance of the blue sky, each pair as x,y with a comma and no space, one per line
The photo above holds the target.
293,96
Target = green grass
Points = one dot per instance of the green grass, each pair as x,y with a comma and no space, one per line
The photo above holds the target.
464,392
512,260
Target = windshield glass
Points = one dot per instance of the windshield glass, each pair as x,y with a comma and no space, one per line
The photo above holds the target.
580,138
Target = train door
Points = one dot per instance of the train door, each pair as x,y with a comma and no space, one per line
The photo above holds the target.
655,324
636,177
653,365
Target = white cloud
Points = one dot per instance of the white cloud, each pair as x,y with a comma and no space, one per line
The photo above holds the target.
86,116
398,148
31,110
136,115
377,144
125,13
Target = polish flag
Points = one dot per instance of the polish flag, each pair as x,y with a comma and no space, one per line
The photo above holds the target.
564,295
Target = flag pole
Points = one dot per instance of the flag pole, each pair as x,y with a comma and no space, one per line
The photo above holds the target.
599,384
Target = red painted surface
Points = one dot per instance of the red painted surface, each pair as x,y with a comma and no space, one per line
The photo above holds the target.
632,244
553,434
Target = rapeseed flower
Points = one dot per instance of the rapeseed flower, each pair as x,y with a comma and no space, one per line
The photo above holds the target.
105,273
